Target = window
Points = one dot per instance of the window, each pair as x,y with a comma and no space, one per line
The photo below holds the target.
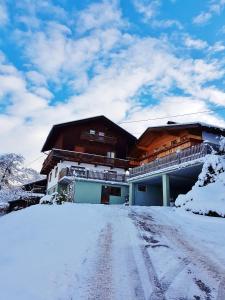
56,172
101,133
142,188
173,143
50,176
92,131
114,191
111,154
183,138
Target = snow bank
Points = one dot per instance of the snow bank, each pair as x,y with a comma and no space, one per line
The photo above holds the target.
207,196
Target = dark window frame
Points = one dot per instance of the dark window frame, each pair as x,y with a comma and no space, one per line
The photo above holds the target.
142,188
115,191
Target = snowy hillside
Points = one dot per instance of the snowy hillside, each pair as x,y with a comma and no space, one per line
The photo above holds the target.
207,196
79,252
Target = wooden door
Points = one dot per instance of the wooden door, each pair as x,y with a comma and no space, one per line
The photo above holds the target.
105,194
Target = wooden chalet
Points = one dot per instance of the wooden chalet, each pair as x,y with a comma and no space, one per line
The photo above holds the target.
161,141
170,159
95,140
88,158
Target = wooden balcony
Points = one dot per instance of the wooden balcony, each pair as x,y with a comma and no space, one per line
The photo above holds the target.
56,155
163,151
98,138
174,159
66,175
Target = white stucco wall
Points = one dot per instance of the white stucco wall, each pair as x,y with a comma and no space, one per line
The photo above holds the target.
64,164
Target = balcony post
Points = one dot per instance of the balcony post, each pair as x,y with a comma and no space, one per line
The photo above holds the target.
131,194
166,189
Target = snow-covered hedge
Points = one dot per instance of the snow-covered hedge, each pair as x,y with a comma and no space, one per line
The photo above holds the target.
207,196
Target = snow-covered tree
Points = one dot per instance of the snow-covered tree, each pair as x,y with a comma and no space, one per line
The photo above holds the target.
13,174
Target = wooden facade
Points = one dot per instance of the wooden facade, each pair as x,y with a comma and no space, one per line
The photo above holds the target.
99,141
96,140
165,143
159,142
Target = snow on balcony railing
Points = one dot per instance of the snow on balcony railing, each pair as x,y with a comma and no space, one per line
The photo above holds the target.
70,173
189,154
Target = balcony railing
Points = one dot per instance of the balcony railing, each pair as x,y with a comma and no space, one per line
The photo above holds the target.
190,154
57,154
98,138
68,174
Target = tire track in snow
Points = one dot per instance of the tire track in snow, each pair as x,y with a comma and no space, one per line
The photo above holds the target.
160,286
191,256
158,292
130,281
100,285
221,290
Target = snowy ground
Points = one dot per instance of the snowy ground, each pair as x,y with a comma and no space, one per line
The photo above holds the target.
73,252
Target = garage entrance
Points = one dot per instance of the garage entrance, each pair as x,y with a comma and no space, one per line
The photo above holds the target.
163,189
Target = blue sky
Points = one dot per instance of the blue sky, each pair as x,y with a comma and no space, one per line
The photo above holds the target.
130,60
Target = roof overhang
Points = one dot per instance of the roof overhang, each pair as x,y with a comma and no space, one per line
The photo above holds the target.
55,130
151,132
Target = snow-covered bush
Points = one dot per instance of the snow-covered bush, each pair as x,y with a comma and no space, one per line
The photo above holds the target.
207,196
62,197
55,198
48,199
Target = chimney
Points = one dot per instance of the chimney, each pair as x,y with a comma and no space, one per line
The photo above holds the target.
171,122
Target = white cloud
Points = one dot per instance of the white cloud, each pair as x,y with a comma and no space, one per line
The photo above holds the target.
121,65
217,47
31,10
167,24
148,8
195,43
167,109
36,78
4,18
215,8
97,15
47,49
202,18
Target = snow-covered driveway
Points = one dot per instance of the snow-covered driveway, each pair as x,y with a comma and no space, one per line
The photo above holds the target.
73,252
